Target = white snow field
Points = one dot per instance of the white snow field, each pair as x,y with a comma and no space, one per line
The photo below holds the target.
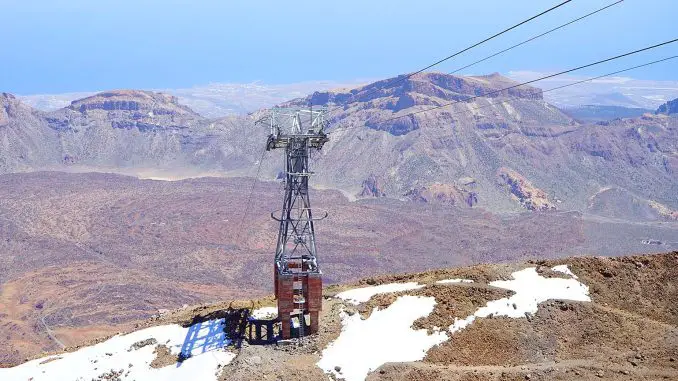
203,341
265,313
455,280
363,294
386,336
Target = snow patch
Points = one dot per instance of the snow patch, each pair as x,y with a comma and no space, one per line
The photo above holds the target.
460,324
203,344
455,280
363,294
530,289
565,270
386,336
265,313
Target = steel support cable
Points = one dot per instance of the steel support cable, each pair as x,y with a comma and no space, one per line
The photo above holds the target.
407,76
248,203
610,74
530,39
583,81
537,36
533,80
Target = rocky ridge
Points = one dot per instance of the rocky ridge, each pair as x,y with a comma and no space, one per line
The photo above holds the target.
474,139
26,139
445,194
131,100
133,132
528,195
670,107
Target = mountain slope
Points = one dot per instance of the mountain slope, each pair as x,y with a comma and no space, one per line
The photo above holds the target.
85,255
136,129
463,146
600,113
26,140
125,131
441,146
566,160
571,319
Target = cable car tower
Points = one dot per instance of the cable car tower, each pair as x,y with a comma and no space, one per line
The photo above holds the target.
297,275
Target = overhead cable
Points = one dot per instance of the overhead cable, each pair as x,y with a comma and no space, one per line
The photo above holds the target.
582,81
537,36
534,80
407,76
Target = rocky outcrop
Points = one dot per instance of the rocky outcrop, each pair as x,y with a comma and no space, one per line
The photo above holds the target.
389,96
397,127
25,138
132,100
447,194
135,110
436,85
664,211
529,196
670,107
122,130
371,187
382,99
13,108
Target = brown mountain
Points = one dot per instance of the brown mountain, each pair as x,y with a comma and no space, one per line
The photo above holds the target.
123,130
567,161
26,139
83,255
86,254
135,131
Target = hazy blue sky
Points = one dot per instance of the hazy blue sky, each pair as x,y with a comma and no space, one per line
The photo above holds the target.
51,46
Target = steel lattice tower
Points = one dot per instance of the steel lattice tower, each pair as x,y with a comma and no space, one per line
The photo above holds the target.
297,276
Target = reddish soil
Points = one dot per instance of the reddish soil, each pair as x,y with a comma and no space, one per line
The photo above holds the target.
629,331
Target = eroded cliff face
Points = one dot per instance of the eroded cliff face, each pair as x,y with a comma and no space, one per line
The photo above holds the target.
132,100
408,92
445,194
371,187
126,131
529,196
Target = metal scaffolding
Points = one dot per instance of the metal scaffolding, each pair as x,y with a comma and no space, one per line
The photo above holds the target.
297,276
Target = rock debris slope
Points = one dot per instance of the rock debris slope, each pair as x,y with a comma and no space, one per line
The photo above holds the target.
161,244
570,319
